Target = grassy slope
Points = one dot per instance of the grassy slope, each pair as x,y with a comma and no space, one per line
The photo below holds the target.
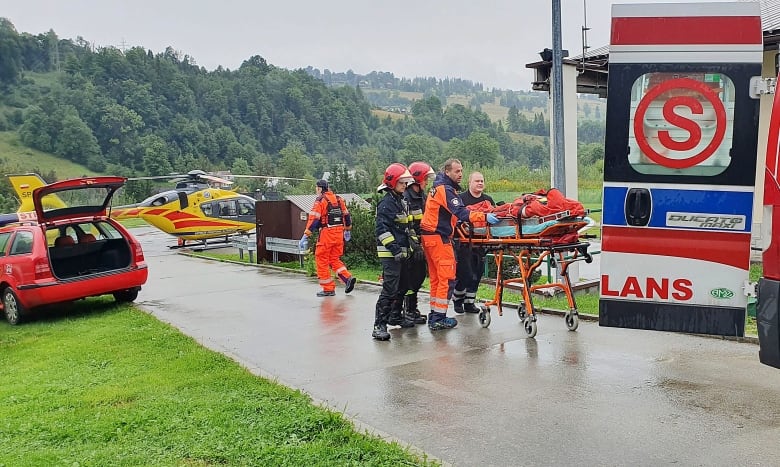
110,385
22,159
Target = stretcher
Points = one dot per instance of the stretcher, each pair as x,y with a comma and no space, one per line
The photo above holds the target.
531,242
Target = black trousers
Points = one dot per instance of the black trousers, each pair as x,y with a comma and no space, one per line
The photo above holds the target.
469,271
391,289
413,275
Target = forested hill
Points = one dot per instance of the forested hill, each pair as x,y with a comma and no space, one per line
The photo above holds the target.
137,112
387,80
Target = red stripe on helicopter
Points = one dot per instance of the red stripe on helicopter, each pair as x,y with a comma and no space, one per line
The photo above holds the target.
155,212
686,30
178,215
729,248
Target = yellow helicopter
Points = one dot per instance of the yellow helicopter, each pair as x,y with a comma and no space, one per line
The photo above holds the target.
198,208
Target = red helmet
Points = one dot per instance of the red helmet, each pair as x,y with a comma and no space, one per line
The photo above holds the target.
395,173
421,171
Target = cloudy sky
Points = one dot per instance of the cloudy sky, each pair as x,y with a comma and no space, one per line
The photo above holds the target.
487,41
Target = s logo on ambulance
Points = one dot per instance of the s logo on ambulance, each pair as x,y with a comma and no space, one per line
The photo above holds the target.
651,288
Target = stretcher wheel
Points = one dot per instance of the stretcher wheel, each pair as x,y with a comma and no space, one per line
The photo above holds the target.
521,312
530,327
484,317
572,321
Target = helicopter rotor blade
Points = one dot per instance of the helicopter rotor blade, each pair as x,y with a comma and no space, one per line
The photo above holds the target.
155,177
215,179
272,177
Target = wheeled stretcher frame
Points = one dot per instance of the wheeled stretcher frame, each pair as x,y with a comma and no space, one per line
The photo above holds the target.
530,251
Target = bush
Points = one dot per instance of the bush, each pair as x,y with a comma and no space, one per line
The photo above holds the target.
361,250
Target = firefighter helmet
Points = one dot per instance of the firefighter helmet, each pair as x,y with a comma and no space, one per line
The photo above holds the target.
394,174
421,172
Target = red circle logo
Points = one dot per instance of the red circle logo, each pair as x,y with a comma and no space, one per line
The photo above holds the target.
691,126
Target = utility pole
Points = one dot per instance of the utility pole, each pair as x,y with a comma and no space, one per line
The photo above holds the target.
559,159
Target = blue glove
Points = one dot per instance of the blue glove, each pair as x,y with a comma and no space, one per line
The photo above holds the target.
491,218
347,235
303,245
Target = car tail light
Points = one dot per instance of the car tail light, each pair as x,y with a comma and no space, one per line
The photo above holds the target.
42,269
138,255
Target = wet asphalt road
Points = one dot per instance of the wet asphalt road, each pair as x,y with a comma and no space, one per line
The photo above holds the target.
473,396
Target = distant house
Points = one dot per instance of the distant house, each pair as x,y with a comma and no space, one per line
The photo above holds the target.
287,218
304,204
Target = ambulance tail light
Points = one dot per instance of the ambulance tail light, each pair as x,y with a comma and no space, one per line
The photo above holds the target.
770,243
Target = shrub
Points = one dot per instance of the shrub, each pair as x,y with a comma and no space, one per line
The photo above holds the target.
361,250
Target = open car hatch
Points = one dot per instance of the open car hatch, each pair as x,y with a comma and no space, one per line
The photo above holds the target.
81,197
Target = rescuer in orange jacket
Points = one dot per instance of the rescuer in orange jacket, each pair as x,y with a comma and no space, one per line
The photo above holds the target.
330,215
443,208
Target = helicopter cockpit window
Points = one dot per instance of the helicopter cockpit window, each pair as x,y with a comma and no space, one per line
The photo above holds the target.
206,208
245,208
227,208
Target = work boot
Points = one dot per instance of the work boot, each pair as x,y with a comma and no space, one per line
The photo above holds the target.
326,293
470,308
412,313
416,317
350,285
437,321
380,332
458,304
399,319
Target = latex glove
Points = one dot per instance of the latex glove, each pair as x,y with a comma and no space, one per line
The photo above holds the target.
347,235
491,218
401,255
303,245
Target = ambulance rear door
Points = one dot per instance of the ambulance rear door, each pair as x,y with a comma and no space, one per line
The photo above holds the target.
680,166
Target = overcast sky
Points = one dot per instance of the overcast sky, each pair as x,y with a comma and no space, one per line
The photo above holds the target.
487,41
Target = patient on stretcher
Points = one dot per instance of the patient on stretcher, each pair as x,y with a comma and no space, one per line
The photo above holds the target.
542,214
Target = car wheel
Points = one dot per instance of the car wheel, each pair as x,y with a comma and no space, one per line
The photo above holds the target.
12,308
126,296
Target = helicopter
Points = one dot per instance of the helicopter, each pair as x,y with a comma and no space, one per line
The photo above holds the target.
197,209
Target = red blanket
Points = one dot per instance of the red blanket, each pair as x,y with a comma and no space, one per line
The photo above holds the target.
539,204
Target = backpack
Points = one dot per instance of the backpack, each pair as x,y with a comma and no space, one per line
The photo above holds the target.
335,215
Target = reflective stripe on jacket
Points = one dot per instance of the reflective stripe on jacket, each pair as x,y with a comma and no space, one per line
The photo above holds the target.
318,216
443,208
416,202
392,225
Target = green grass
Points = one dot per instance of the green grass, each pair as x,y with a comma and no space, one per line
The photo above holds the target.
132,223
110,385
19,158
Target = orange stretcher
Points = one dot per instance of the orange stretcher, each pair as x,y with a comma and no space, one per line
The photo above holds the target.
532,243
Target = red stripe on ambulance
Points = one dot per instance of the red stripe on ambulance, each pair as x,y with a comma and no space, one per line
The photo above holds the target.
729,248
702,30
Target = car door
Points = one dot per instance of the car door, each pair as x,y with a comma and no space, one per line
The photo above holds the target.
18,264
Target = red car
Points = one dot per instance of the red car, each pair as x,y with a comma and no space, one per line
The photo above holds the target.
69,249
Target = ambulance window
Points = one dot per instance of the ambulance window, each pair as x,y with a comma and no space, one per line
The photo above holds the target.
681,123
